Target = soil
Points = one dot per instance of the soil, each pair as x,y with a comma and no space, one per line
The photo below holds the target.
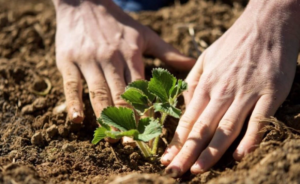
39,145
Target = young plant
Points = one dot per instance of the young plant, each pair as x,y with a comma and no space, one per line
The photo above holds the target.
146,97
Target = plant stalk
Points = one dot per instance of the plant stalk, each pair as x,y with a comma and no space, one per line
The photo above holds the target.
146,151
156,140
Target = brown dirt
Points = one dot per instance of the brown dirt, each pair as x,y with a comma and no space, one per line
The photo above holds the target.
40,146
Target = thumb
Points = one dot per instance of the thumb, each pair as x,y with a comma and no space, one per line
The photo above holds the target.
156,47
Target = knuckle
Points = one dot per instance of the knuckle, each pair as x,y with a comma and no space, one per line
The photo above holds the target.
87,51
206,77
105,54
71,90
185,122
72,104
224,91
204,83
66,53
100,94
253,137
201,128
71,86
118,101
131,52
228,127
210,152
185,154
192,84
63,59
177,144
257,118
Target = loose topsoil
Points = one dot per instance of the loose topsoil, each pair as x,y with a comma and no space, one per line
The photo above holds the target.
39,145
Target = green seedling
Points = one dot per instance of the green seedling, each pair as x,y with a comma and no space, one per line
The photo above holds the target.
146,97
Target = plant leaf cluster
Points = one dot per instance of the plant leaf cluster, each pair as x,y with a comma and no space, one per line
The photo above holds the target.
124,120
146,97
160,93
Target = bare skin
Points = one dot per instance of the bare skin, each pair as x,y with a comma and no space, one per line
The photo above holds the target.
97,40
248,71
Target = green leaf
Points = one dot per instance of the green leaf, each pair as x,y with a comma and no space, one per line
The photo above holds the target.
143,86
103,125
161,84
143,123
168,109
121,118
183,86
99,135
179,88
116,135
136,98
149,128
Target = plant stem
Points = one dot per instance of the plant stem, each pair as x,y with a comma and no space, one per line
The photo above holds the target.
156,140
146,151
151,112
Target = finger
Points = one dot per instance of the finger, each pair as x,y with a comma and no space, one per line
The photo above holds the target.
98,88
73,91
226,132
199,136
186,123
114,75
165,52
264,108
135,68
193,79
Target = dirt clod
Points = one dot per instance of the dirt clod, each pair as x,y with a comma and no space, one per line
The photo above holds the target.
63,131
37,139
51,132
141,178
15,173
39,103
28,109
68,147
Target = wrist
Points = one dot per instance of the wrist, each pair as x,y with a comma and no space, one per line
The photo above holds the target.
281,16
77,3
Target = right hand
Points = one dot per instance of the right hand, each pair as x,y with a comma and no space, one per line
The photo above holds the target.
96,39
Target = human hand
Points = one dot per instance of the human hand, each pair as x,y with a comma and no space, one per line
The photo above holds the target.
97,40
248,71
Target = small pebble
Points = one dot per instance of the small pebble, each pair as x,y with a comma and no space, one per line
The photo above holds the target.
124,168
27,109
135,156
68,148
63,131
37,139
51,132
39,103
107,145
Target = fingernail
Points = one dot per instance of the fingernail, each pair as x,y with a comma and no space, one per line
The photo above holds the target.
238,154
173,172
197,167
165,158
77,117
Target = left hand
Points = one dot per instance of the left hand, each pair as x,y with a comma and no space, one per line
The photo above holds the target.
248,71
